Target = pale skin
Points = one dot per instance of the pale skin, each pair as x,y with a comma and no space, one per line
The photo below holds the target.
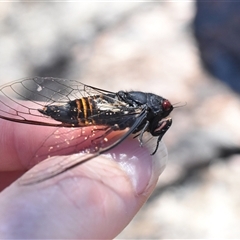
96,200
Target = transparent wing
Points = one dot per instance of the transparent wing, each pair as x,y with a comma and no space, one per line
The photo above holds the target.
21,99
96,141
55,169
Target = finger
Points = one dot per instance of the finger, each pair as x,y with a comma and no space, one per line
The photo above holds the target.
94,200
19,143
6,178
23,145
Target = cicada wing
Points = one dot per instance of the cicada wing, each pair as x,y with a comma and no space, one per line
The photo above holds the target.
99,139
20,100
95,142
65,141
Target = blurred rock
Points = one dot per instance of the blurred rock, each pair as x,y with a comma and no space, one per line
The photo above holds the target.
217,29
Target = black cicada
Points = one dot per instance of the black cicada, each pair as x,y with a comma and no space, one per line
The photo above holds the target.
84,118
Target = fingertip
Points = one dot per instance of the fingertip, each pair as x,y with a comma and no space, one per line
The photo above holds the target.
84,201
141,167
81,203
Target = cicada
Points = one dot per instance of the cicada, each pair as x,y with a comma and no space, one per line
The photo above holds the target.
84,118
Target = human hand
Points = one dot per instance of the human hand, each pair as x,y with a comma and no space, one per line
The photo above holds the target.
95,200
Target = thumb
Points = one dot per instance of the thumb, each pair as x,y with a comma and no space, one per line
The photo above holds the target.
94,200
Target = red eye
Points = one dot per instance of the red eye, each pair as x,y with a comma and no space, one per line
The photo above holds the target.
167,106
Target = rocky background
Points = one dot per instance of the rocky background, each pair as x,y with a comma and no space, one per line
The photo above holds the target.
187,52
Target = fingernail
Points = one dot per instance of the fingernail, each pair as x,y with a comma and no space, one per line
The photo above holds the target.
142,168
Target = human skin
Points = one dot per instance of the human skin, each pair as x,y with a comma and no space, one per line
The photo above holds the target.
95,200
